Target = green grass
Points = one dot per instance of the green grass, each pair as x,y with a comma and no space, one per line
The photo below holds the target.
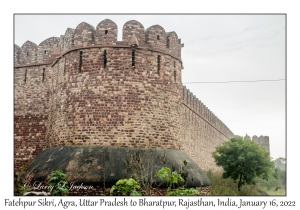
227,187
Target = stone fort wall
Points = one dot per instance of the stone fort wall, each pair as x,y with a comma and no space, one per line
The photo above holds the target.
261,140
202,131
87,88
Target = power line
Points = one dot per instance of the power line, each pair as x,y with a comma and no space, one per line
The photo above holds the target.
275,80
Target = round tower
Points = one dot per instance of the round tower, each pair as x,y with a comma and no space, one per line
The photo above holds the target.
111,93
103,95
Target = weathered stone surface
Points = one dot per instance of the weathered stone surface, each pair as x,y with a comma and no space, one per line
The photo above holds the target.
96,164
262,141
100,91
202,131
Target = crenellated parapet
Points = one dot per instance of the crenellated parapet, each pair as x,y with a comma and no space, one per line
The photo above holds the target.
133,29
156,37
84,35
46,48
17,52
28,54
174,44
86,88
196,106
202,131
68,40
105,34
262,141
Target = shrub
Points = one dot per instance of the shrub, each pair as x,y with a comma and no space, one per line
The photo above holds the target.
227,187
172,178
183,192
59,182
126,187
22,189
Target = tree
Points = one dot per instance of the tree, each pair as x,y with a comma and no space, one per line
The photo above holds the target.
244,160
281,160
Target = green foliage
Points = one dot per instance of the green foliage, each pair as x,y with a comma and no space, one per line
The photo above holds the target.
274,185
23,189
59,182
243,160
281,160
126,187
282,176
227,187
170,176
183,192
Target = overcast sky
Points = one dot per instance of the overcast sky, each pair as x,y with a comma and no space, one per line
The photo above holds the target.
217,48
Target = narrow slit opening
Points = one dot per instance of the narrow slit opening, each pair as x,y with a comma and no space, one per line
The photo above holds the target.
25,78
133,58
43,75
80,61
105,58
158,64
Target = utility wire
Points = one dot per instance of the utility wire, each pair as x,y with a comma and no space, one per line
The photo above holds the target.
275,80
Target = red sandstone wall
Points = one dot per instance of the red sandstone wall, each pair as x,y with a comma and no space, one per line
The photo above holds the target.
202,131
106,33
81,102
68,40
30,112
46,48
131,28
262,141
28,54
116,105
17,51
84,35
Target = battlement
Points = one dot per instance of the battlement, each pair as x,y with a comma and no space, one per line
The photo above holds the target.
86,88
262,141
105,34
193,103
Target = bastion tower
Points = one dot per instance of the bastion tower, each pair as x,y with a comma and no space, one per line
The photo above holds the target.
86,90
111,93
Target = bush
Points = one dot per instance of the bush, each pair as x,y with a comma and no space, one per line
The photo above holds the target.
227,187
126,187
59,182
183,192
172,178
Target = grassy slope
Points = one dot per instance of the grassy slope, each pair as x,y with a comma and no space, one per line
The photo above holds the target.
227,187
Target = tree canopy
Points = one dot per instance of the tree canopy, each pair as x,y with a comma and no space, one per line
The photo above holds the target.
243,159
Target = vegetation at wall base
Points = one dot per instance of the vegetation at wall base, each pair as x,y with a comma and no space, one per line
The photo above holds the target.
182,192
243,160
172,177
126,187
58,180
227,187
174,181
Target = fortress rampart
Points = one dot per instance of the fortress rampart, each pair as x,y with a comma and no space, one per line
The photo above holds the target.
86,88
262,141
202,130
